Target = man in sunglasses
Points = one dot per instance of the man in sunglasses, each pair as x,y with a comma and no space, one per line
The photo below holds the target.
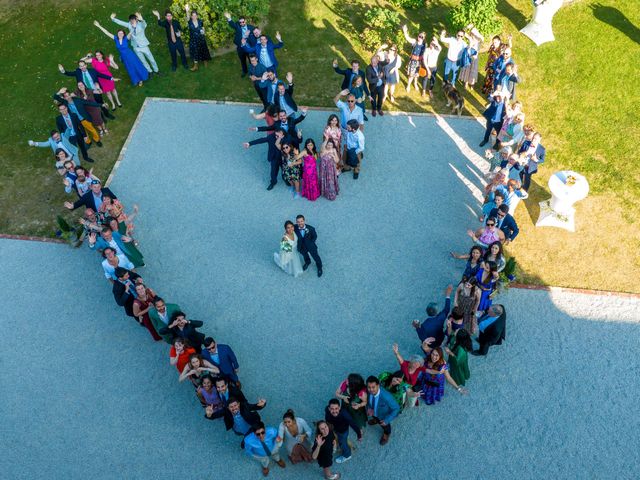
263,446
241,30
348,110
456,46
506,223
222,356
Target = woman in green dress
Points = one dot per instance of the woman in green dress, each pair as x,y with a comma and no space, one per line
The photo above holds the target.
399,389
133,254
353,393
459,346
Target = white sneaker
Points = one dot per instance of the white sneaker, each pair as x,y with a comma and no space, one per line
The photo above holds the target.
342,459
335,476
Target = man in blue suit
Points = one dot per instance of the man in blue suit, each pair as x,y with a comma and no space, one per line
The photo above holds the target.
56,141
222,357
494,114
265,51
382,408
433,326
242,31
506,223
350,74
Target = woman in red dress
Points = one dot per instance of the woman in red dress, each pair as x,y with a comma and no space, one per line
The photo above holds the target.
141,307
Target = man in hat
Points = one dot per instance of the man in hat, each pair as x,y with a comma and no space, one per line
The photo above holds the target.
494,114
433,326
93,198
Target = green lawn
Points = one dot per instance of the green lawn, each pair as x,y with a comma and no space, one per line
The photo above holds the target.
580,91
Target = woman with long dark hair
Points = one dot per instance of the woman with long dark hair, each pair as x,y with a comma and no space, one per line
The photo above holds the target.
310,187
296,436
487,278
323,448
329,162
473,258
459,346
467,299
437,373
287,257
198,50
353,394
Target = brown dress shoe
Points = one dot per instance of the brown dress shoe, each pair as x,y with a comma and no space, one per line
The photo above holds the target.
380,113
265,471
281,463
384,439
374,113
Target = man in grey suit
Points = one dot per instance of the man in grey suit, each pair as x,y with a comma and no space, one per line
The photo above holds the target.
139,40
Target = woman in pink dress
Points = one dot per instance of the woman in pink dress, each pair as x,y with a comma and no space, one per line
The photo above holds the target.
310,187
334,132
329,160
101,65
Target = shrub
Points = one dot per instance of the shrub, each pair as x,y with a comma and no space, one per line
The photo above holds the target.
211,12
482,13
383,26
408,3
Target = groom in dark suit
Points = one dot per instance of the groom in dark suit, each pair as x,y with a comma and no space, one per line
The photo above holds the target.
307,243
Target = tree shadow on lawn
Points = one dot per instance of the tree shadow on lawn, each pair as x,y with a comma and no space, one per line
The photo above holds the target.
616,19
517,18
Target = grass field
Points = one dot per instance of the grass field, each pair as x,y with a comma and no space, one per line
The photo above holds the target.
580,91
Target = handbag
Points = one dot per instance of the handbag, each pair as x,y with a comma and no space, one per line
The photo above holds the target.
422,72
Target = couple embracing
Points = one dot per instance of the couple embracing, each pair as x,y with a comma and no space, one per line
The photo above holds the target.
298,239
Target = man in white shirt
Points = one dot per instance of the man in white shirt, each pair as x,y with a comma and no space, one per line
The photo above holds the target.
348,110
456,45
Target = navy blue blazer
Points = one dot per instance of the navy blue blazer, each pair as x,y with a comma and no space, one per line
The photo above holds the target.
75,121
346,81
228,361
271,47
509,226
291,131
274,154
434,326
491,110
237,35
288,97
87,200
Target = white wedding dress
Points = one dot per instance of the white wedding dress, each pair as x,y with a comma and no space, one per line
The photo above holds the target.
289,261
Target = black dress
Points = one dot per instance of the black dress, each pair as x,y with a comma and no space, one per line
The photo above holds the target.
325,456
198,49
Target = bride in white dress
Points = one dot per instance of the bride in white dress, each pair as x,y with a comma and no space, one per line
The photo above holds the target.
288,258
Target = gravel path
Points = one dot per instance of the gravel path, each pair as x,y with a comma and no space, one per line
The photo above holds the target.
84,389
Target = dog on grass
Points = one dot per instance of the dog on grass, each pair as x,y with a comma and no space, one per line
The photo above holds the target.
454,99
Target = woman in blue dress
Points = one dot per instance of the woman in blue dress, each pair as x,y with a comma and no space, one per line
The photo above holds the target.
132,63
487,277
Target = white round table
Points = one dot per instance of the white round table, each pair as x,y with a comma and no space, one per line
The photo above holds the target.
567,188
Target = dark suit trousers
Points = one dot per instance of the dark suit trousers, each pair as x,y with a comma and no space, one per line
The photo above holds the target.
242,55
386,429
262,94
174,49
525,176
275,168
491,126
81,145
376,94
314,253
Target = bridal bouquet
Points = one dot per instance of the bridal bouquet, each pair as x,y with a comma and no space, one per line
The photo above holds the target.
285,246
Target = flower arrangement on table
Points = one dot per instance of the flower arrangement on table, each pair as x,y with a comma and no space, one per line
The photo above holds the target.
285,246
571,180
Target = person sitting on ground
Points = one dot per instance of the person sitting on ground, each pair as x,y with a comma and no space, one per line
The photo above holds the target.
262,445
183,328
473,258
340,420
382,409
323,448
506,223
488,234
433,326
296,436
492,326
